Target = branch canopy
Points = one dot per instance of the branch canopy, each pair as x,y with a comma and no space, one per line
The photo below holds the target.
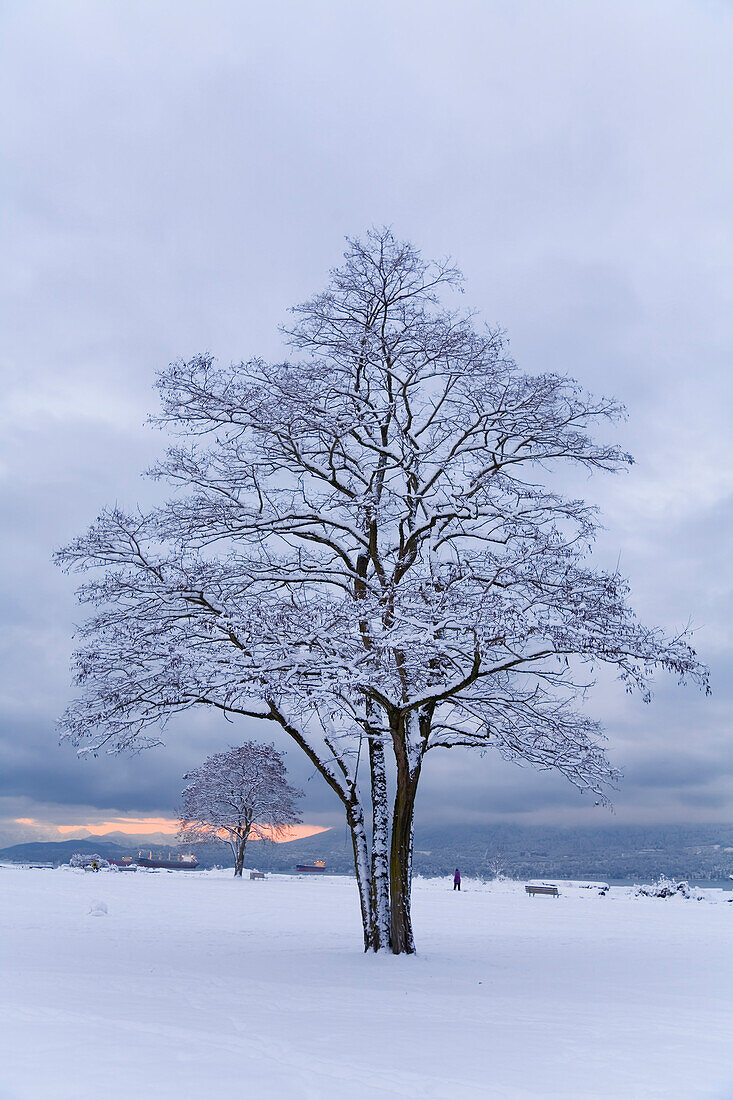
365,544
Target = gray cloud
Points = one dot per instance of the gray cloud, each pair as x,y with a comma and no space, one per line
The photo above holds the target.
178,176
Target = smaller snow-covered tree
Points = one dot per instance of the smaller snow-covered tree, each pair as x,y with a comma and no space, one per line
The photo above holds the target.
88,862
238,795
496,863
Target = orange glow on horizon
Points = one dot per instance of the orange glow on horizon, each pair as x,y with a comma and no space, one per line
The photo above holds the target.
141,826
135,826
296,832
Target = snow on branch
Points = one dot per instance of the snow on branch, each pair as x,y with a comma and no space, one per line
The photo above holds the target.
367,538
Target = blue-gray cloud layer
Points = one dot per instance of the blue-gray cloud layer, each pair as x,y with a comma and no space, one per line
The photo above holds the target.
178,174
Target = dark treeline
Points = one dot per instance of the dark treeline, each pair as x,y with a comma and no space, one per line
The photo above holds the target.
698,852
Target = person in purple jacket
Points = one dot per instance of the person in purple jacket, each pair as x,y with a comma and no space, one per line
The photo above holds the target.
457,880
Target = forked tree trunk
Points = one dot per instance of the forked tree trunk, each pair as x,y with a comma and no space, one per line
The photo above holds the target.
239,858
239,846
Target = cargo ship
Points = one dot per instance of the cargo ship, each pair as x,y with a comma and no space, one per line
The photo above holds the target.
316,867
180,863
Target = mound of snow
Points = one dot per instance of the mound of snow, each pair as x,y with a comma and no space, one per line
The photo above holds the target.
669,888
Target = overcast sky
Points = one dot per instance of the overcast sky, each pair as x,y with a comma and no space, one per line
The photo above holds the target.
177,174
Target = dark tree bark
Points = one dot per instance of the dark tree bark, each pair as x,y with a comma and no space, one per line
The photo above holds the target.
239,850
402,940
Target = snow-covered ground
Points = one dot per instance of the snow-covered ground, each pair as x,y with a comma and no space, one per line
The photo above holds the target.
193,985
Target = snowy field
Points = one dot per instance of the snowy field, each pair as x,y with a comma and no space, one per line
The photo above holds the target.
155,986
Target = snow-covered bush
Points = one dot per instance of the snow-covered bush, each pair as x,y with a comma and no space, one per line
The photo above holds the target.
668,888
88,862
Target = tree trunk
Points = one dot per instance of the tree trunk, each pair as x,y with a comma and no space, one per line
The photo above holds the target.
355,819
239,845
379,892
400,862
239,857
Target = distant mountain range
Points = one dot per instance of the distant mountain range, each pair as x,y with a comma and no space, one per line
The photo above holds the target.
699,852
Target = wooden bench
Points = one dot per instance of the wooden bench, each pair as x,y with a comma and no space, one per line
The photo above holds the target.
256,874
552,891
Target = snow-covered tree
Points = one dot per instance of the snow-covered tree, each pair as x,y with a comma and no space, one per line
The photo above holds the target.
495,863
366,548
88,862
239,795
